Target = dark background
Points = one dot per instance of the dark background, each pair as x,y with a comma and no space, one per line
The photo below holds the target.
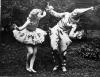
16,11
83,57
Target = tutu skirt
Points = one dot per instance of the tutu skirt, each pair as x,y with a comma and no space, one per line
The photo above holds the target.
27,37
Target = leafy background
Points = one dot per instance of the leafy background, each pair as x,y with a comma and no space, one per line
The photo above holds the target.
16,11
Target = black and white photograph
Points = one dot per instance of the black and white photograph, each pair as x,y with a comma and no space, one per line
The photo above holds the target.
50,38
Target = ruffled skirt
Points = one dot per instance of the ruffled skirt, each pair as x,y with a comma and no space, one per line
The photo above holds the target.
27,37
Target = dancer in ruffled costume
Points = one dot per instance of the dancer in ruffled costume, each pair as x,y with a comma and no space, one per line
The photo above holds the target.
31,35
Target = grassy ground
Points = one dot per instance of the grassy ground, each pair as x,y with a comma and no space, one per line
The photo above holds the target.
13,57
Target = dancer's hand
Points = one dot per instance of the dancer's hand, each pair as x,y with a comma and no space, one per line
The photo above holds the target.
49,7
16,27
92,8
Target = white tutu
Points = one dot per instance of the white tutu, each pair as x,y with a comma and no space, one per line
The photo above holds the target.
27,37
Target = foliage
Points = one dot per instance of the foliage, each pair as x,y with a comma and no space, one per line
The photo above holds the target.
16,11
90,49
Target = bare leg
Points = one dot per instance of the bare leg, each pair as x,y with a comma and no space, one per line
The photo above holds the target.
33,59
31,54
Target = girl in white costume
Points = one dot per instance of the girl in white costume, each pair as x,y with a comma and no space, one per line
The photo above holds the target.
59,34
30,35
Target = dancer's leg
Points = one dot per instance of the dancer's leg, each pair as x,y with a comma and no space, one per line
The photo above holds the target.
65,41
31,54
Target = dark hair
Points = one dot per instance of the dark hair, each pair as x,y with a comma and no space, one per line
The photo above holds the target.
43,5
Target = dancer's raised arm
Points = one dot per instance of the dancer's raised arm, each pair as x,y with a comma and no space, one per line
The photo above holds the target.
81,10
24,26
56,14
50,9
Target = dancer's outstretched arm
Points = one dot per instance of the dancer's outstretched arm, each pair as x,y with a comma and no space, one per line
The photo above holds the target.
25,25
81,10
56,14
51,10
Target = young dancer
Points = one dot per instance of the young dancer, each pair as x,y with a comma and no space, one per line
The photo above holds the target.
31,36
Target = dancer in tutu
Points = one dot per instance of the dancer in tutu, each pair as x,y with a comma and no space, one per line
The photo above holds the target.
59,33
31,35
